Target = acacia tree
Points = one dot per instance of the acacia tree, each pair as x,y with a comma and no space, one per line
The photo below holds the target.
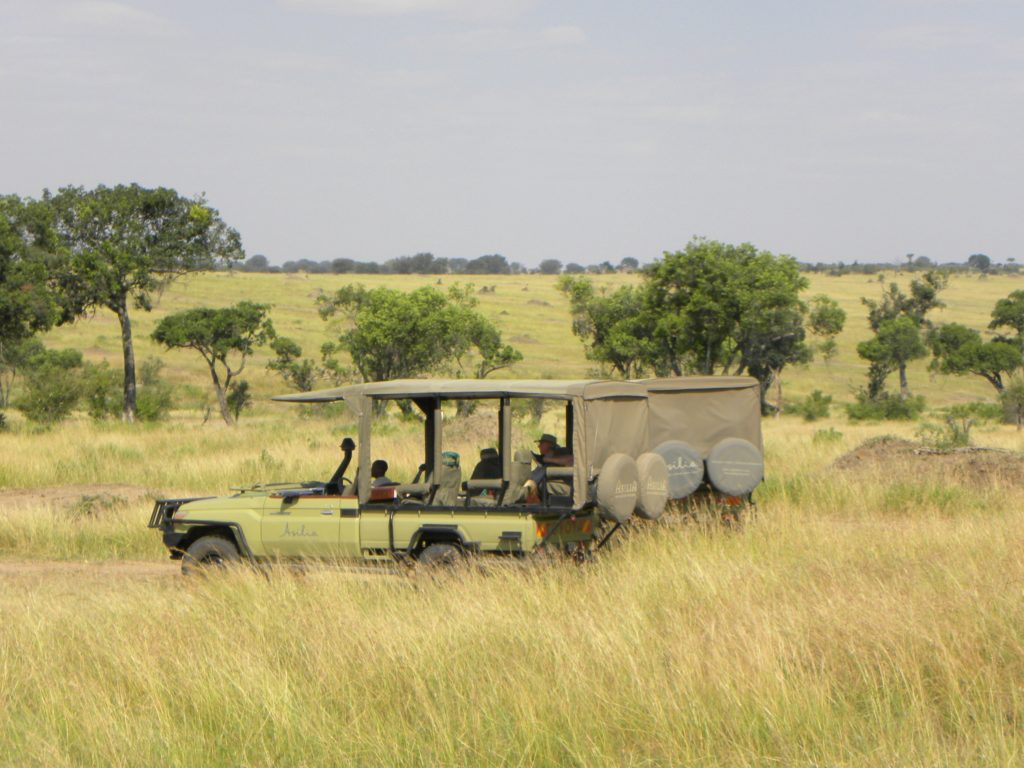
960,350
124,244
221,336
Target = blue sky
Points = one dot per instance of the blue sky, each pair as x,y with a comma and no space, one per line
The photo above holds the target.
583,131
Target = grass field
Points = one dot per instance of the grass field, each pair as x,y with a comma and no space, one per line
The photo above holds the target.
531,314
864,617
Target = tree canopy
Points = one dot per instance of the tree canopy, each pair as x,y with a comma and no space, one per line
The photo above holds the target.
27,246
395,334
960,350
225,338
123,244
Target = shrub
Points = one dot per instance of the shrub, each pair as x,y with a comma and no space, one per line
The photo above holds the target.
979,411
238,397
154,400
830,435
815,406
102,391
955,433
53,386
886,406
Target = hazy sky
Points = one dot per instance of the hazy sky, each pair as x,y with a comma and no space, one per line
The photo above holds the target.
583,131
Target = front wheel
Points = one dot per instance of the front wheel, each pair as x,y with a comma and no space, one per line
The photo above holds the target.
208,553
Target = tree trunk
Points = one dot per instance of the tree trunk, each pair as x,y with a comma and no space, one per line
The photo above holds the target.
222,399
778,393
129,364
904,386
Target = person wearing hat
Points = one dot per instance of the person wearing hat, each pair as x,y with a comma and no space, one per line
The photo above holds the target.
550,453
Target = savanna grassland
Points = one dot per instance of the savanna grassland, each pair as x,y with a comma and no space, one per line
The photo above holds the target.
867,615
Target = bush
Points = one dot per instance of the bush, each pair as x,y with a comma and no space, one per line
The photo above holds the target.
238,398
53,386
887,406
955,433
102,391
815,406
978,411
154,400
830,435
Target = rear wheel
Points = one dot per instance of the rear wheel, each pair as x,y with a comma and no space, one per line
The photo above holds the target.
441,554
208,553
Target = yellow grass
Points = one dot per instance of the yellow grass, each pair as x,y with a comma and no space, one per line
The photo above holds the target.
860,619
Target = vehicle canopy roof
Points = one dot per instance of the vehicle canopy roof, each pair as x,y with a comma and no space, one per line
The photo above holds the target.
604,416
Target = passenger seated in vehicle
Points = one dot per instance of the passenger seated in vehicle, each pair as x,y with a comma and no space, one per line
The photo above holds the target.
489,466
379,473
550,454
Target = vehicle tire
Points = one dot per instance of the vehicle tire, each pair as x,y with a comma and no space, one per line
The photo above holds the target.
617,488
735,466
685,467
653,491
442,554
207,553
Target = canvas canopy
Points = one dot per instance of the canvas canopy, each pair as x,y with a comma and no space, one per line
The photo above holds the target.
703,410
604,417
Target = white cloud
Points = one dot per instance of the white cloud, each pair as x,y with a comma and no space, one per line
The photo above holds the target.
563,35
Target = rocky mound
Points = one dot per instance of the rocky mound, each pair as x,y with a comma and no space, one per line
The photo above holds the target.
907,460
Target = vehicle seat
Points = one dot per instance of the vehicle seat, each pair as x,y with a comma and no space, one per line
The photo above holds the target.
449,483
521,463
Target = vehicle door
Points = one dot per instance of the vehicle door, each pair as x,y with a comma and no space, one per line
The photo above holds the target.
311,526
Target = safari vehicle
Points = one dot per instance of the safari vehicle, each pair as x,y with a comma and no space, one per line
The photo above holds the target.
629,447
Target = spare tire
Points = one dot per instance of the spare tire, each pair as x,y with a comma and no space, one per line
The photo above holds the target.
617,487
653,493
685,467
735,466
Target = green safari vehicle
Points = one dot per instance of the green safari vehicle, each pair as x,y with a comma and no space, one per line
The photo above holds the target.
513,503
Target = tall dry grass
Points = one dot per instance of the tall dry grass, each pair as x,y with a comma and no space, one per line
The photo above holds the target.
860,619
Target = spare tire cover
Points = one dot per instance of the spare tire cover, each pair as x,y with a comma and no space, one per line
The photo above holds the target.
653,494
735,466
617,487
685,467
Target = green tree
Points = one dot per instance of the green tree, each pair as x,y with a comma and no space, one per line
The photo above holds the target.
896,304
297,373
1009,313
616,327
959,350
826,320
979,262
723,308
550,267
225,338
398,335
896,343
124,244
27,245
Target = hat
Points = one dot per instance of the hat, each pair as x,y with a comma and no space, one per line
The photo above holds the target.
548,438
449,458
